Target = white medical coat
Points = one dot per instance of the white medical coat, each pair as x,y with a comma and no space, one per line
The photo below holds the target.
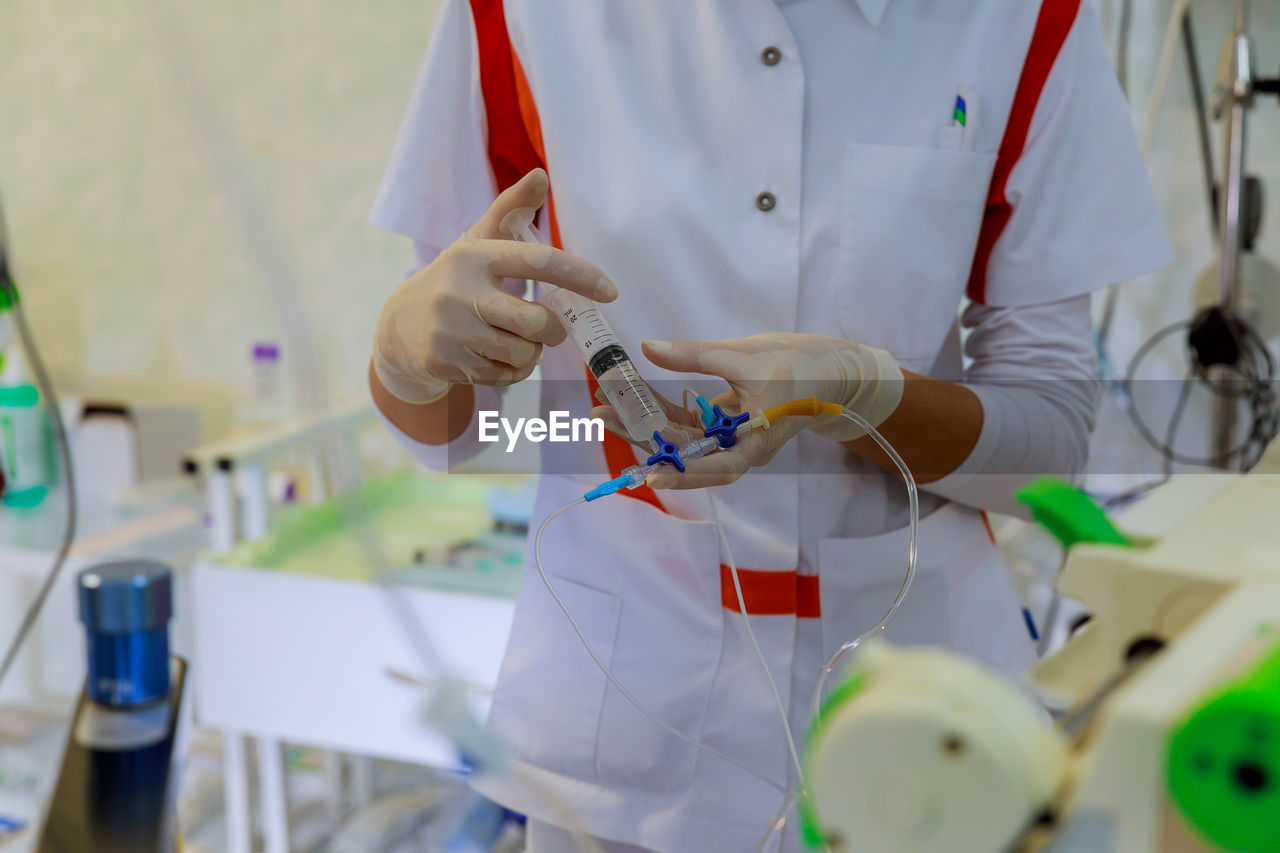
661,124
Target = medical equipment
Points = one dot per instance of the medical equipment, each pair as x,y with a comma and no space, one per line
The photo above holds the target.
601,350
721,432
126,607
1168,737
1235,202
49,397
1221,342
447,708
26,454
116,787
667,453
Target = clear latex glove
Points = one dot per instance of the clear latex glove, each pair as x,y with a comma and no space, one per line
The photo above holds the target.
452,323
766,370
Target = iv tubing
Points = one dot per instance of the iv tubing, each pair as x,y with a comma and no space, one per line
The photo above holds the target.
595,656
751,635
913,498
810,407
779,820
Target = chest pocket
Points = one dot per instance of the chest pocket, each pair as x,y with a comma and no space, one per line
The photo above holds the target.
909,224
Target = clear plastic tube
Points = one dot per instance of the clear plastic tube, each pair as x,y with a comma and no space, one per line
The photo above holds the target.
751,635
791,796
913,499
604,667
779,821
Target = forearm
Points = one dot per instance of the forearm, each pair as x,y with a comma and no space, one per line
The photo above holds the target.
1030,430
934,428
434,423
1026,409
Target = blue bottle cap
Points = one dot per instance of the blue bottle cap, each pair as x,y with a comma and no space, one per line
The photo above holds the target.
126,596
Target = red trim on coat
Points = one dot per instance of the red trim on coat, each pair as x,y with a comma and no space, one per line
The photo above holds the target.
511,152
1052,28
515,147
772,593
986,522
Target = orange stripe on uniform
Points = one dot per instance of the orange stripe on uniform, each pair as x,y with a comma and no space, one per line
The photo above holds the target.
511,151
1053,25
515,147
772,593
986,521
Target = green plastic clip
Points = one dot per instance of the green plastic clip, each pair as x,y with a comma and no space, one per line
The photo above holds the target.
1069,514
1223,767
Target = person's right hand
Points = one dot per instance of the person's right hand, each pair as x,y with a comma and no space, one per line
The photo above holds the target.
452,323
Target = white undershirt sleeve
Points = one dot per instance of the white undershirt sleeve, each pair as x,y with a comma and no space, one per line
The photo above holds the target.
1033,368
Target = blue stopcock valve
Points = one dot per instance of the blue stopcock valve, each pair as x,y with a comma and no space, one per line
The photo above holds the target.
724,428
668,453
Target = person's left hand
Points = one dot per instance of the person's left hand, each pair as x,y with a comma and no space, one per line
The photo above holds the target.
765,371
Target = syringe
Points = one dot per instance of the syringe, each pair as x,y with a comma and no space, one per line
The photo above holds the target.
636,474
600,348
722,431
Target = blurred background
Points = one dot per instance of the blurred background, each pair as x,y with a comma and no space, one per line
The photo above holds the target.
145,284
139,277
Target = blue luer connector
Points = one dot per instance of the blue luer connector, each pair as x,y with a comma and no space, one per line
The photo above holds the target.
724,428
668,453
708,413
617,484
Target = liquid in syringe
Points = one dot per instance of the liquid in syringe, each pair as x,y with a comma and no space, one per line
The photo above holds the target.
608,361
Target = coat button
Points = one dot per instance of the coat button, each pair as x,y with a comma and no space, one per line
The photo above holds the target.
770,55
766,201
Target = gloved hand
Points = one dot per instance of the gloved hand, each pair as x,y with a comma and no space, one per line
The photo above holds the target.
764,371
452,323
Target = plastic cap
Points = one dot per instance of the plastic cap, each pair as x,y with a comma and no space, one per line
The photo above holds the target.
609,488
519,224
125,596
1224,762
266,351
1068,513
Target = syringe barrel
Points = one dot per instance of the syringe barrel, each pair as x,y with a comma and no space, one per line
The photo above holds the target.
609,364
583,321
630,397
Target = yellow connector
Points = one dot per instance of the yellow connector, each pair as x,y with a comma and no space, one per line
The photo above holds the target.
810,406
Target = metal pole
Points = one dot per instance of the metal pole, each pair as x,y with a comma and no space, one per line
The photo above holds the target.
1202,116
1234,93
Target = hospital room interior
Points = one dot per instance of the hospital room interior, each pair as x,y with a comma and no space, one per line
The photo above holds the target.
375,478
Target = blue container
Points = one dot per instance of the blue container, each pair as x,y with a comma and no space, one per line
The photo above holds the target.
126,607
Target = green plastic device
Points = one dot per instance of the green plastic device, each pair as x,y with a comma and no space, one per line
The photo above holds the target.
1223,767
810,830
1068,513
